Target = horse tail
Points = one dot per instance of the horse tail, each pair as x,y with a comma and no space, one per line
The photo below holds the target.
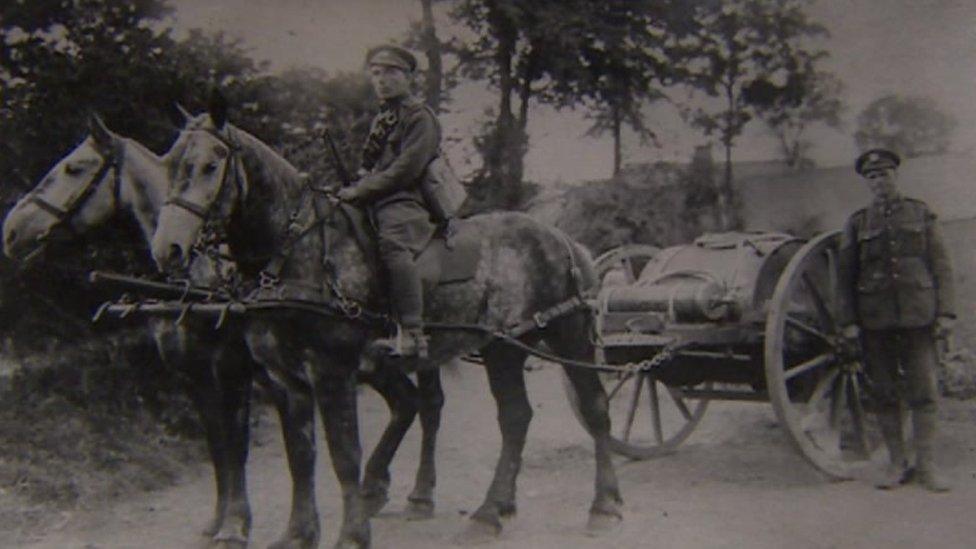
582,273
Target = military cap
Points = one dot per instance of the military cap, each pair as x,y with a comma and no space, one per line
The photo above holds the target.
876,159
393,56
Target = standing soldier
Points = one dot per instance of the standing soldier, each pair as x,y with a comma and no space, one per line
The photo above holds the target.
403,139
896,285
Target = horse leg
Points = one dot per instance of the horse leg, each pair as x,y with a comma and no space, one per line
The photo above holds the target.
563,337
401,397
233,370
503,365
292,395
335,388
204,397
198,381
605,511
420,502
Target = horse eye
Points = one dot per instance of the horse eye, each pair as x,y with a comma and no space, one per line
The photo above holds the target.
73,169
210,168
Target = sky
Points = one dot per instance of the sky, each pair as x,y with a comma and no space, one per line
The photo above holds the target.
877,47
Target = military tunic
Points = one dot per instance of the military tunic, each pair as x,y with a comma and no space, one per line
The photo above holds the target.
895,280
390,192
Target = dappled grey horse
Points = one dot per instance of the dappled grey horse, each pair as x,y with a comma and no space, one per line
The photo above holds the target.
229,178
106,174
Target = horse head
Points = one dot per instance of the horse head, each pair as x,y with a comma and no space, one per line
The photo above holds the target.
81,191
208,184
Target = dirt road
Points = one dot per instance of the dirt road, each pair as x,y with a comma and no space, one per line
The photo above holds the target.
735,483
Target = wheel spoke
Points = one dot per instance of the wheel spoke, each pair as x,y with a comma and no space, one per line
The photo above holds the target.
823,386
807,329
634,399
840,392
655,409
677,395
620,383
804,367
857,414
833,284
823,310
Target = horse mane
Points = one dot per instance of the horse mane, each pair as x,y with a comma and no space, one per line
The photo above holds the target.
274,190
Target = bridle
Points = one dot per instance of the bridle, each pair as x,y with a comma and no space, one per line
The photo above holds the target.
231,171
111,161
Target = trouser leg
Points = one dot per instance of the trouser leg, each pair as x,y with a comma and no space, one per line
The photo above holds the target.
404,229
881,361
920,369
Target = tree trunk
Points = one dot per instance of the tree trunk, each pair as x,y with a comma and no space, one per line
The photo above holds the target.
432,49
725,193
617,156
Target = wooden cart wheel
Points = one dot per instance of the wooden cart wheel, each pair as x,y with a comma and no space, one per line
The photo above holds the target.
625,263
647,417
815,377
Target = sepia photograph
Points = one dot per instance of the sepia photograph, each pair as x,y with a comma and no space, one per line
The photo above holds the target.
487,273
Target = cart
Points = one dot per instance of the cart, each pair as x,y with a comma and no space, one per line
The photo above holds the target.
732,316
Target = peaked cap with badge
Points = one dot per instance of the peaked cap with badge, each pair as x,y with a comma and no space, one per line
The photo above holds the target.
876,159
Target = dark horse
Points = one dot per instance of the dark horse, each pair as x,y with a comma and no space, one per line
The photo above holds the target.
229,178
108,174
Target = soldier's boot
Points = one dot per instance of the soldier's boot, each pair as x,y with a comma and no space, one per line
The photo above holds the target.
406,292
924,422
894,474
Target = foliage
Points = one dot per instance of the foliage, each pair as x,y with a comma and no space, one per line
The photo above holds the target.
807,97
659,205
629,53
737,44
914,126
604,55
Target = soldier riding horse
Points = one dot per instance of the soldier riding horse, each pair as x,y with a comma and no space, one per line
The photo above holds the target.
108,174
229,180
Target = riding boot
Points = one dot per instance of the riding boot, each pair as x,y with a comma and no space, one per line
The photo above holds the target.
406,292
891,430
924,422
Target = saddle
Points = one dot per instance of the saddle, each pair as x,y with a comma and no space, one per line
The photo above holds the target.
451,256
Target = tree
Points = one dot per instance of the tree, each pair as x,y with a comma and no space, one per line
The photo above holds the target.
605,55
914,126
623,60
807,97
61,61
737,43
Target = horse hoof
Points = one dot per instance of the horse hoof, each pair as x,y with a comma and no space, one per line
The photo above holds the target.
374,503
211,529
600,523
417,509
351,544
478,532
229,544
296,542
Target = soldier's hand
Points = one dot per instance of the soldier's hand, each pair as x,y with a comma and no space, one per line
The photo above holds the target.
348,194
943,326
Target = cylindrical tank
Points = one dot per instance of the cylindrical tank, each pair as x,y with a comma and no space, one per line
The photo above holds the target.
719,277
684,297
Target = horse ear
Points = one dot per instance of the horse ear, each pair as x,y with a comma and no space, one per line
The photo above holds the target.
179,116
218,108
99,131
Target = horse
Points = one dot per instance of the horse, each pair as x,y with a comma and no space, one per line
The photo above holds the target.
106,174
229,178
